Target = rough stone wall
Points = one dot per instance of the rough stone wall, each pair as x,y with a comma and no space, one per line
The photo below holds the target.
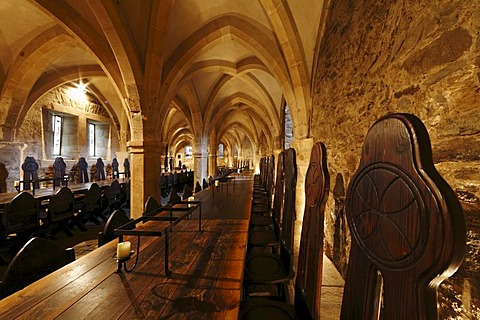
29,140
416,56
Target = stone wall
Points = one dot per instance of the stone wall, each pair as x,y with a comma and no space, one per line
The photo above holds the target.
33,137
421,57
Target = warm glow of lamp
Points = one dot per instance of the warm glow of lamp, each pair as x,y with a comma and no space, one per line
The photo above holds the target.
78,93
190,199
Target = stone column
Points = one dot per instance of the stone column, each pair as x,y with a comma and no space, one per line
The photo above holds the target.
83,143
121,155
212,164
303,148
146,170
255,165
200,165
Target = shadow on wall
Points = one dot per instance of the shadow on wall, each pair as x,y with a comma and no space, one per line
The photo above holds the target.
3,178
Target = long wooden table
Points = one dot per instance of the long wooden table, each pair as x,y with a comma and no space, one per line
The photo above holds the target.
207,269
43,193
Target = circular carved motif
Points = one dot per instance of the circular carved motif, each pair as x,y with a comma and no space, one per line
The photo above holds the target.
30,164
311,187
386,213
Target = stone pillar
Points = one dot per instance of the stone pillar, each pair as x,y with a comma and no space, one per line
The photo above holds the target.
121,155
212,164
255,165
200,165
303,148
83,143
146,170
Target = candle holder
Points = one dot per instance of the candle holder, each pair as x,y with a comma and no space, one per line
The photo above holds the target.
123,261
189,200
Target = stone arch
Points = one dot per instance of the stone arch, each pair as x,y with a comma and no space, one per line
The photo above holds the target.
269,112
249,106
26,69
283,23
209,35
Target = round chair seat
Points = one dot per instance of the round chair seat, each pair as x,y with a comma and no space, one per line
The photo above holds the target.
265,268
260,209
259,238
259,193
262,201
261,221
266,309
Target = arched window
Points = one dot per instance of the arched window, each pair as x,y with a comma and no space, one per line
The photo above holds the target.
188,151
288,127
220,150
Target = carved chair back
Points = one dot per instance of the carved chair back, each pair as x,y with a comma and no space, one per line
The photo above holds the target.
310,258
407,226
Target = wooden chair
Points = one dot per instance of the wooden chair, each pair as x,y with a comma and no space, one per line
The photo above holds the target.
37,258
261,211
407,226
116,219
112,196
60,211
152,207
263,190
125,195
187,192
173,197
198,187
91,207
308,282
20,216
265,268
263,237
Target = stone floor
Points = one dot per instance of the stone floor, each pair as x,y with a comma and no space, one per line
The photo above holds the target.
332,291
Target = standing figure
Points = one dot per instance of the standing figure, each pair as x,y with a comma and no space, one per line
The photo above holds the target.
126,168
59,167
30,167
3,178
114,168
82,170
100,169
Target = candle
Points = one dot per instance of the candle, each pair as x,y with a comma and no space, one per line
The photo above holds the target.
123,250
217,183
190,199
16,183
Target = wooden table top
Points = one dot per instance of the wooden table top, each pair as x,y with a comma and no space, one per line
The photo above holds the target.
43,193
207,270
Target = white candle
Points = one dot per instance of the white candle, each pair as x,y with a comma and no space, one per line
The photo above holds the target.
217,183
190,199
123,250
16,183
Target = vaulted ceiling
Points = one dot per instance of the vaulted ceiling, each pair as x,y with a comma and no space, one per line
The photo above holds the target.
178,71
